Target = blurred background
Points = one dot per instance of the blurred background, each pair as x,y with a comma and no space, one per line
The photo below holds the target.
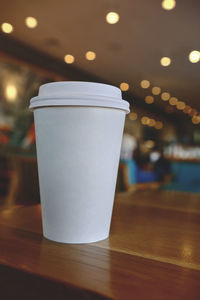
149,49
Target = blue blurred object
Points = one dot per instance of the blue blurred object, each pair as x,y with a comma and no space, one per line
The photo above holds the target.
186,177
137,175
132,170
146,176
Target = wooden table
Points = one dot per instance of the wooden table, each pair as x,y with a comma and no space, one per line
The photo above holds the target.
153,253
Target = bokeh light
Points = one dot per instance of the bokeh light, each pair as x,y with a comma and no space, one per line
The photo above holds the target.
168,4
144,120
69,59
11,93
165,96
193,112
194,56
145,84
90,55
159,125
187,109
149,99
156,90
31,22
152,122
196,120
173,101
7,28
112,17
124,86
165,61
133,116
180,105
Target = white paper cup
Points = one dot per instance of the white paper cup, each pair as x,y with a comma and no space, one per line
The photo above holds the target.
79,127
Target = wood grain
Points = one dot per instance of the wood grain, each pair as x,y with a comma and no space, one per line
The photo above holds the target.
152,253
163,226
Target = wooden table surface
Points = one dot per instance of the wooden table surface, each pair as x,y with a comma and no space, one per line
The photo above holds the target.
153,253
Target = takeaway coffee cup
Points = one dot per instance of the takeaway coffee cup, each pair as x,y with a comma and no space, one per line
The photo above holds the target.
79,127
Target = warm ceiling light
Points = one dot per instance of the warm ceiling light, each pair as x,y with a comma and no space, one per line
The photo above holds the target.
145,84
173,101
6,27
156,90
165,96
168,4
149,99
194,56
112,17
151,122
124,86
196,119
31,22
180,105
165,61
90,55
11,92
69,59
144,120
159,125
133,116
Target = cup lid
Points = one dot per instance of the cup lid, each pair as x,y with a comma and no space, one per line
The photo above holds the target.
79,93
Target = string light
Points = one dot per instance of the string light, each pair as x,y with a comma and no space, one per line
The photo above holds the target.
124,86
194,56
112,17
156,90
165,61
144,120
69,59
152,122
180,105
6,28
31,22
193,113
168,4
187,109
173,101
145,84
90,55
165,96
133,116
149,99
196,120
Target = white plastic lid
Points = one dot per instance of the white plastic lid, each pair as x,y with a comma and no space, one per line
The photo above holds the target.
79,93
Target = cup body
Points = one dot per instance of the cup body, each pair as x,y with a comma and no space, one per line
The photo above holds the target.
78,149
